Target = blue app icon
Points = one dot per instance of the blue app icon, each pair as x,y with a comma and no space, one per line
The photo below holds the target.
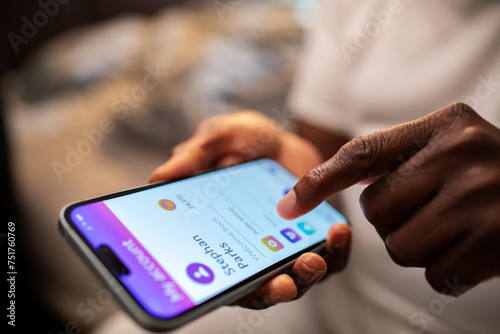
306,228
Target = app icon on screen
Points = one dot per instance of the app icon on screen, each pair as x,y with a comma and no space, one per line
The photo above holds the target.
166,204
271,169
306,228
272,243
290,235
200,273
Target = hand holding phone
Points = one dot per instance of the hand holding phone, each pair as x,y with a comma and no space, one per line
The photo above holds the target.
171,252
305,272
237,137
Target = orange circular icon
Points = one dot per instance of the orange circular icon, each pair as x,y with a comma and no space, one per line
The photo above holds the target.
166,204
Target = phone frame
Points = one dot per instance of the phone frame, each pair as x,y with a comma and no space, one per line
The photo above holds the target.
89,255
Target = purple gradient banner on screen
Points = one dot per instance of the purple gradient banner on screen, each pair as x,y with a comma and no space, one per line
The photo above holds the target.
189,241
151,285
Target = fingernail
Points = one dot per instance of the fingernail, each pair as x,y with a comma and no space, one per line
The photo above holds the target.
341,238
287,205
269,299
272,298
154,175
308,274
169,170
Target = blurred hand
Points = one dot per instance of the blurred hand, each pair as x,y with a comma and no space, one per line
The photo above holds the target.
235,138
434,196
238,137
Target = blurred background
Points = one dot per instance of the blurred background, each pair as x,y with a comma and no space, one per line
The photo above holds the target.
94,95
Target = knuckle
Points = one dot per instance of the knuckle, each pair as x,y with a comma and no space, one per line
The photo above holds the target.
314,178
178,148
474,140
417,160
196,153
251,114
217,137
361,150
455,113
207,125
316,174
478,182
462,109
457,108
314,183
202,126
205,143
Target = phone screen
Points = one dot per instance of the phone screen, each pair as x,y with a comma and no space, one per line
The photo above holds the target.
184,242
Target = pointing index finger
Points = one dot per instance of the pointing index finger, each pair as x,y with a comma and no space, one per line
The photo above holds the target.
365,157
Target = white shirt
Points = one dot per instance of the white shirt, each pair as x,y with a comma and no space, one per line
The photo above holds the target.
371,64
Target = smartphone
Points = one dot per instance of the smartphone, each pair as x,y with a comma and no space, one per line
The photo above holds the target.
170,252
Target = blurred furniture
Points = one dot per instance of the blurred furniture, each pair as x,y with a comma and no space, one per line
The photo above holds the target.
70,13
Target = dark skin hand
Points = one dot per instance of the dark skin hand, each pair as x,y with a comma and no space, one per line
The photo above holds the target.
434,196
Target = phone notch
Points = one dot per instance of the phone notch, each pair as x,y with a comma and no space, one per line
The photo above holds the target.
111,261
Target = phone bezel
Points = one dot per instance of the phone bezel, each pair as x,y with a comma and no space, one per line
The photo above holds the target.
86,251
